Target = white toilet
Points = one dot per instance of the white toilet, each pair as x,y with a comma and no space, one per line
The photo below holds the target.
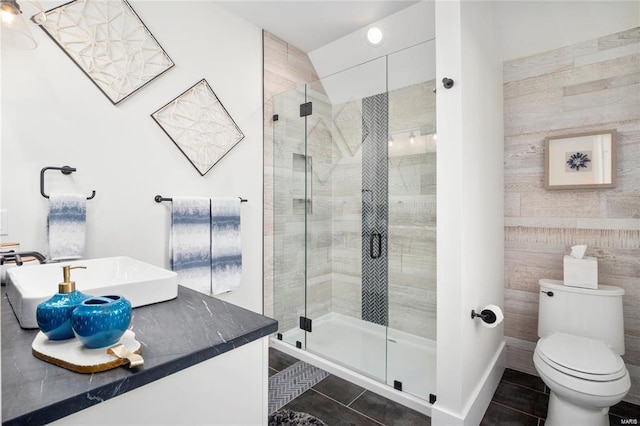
578,355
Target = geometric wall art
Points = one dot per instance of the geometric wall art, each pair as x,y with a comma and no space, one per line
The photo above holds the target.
107,40
199,125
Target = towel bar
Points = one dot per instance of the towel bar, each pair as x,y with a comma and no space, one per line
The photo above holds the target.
160,198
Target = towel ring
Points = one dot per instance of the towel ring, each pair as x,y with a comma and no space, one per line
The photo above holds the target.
65,170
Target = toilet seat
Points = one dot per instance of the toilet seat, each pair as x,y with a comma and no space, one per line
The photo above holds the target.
580,357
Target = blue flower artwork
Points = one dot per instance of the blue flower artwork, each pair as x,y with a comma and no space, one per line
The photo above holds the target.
578,161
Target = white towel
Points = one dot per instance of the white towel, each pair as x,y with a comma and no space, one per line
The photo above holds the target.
66,226
191,242
226,247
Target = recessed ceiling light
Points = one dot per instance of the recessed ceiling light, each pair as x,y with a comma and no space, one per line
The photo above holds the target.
375,36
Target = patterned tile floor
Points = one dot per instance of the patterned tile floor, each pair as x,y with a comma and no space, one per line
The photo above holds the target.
521,399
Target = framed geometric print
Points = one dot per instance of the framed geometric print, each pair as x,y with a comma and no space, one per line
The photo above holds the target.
199,125
107,40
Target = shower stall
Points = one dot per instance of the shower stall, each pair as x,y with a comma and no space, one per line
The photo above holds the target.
354,201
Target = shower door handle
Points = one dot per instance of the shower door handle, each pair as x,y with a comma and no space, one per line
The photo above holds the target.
372,252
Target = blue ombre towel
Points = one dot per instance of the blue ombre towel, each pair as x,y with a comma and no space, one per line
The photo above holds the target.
226,246
191,242
66,226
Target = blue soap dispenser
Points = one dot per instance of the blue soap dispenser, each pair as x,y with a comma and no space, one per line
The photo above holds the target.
54,315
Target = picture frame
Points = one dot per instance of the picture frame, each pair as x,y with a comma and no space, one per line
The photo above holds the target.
199,125
108,41
580,161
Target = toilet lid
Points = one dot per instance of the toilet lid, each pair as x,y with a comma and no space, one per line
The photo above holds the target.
581,357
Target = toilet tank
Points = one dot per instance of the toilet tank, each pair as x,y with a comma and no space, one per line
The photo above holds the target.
593,313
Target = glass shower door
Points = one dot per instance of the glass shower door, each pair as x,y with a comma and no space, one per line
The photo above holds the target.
346,238
290,202
411,337
355,218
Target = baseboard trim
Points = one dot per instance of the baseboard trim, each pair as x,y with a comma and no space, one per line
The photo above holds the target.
479,400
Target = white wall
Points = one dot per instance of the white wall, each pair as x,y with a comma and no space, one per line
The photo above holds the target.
403,29
525,27
53,115
350,68
470,210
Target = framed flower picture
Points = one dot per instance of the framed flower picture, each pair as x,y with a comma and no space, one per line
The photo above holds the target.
580,161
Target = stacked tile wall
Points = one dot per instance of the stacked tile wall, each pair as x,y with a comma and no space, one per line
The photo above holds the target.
412,211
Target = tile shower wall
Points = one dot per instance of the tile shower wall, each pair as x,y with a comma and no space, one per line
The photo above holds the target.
412,211
589,86
347,209
299,177
375,209
302,207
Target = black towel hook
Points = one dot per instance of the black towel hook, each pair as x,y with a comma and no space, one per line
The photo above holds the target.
65,170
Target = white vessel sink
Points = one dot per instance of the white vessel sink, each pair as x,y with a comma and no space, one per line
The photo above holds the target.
139,282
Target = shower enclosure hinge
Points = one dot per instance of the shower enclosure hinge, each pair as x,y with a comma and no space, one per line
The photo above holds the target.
397,385
305,324
306,109
298,344
275,117
279,336
432,398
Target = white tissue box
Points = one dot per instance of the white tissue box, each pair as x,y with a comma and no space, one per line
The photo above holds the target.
581,272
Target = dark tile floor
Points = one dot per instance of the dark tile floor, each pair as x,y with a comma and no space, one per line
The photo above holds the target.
521,399
339,402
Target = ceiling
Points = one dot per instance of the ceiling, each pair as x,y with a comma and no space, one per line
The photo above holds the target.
310,24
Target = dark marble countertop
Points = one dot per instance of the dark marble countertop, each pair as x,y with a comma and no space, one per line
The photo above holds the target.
175,335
